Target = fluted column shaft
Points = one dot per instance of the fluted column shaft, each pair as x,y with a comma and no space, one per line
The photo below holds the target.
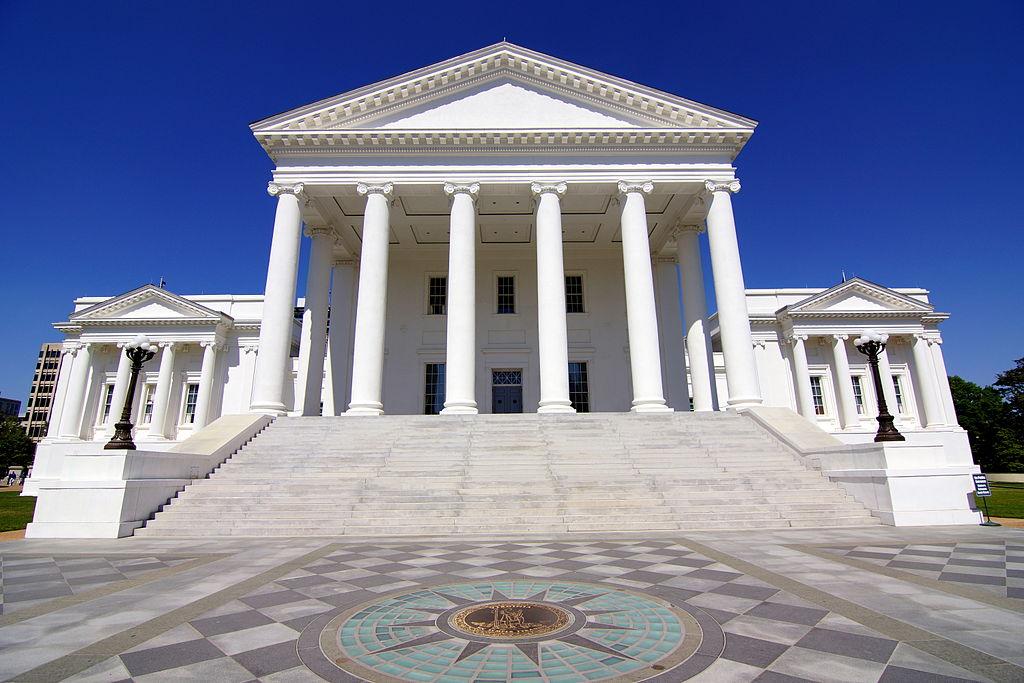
313,346
124,373
552,335
60,393
74,402
670,325
733,319
641,308
204,398
848,417
802,377
696,335
162,396
924,378
371,304
942,381
339,338
460,361
278,303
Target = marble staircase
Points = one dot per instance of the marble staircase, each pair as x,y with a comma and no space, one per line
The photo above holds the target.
508,475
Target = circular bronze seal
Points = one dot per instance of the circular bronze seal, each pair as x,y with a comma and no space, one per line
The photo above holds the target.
511,619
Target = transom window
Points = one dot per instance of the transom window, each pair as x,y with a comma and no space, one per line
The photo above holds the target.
434,389
817,395
191,398
437,295
858,393
507,378
574,294
898,387
506,294
579,387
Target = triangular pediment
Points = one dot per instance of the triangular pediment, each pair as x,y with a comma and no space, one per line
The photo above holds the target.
150,304
858,296
502,87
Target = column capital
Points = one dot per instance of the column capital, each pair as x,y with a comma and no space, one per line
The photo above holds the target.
214,344
278,189
730,186
558,188
840,337
645,187
680,229
250,348
757,343
382,188
167,344
471,189
794,338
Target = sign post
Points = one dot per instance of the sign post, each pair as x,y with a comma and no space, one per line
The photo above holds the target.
981,490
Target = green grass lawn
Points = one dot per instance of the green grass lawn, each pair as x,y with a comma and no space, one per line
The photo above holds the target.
1007,500
16,511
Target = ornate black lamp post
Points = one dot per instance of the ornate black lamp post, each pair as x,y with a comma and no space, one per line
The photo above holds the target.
871,344
139,350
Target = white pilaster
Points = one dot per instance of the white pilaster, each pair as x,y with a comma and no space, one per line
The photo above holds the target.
247,357
730,294
162,397
74,403
313,344
670,325
924,380
848,417
371,305
802,377
641,310
339,338
888,388
461,352
552,336
206,375
942,380
278,302
124,373
67,353
698,340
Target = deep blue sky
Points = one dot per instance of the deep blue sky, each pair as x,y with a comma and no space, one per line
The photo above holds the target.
887,144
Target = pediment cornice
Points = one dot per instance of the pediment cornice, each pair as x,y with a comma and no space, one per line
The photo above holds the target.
882,302
111,312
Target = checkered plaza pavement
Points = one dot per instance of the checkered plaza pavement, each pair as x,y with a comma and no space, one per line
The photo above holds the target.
820,605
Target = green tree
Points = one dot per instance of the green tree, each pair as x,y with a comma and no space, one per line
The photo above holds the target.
989,422
1010,385
15,446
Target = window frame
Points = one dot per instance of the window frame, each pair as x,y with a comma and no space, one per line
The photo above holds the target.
515,292
583,292
427,409
586,384
860,397
427,293
106,401
188,419
821,395
899,387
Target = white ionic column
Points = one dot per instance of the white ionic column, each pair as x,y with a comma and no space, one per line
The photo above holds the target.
74,402
206,374
641,309
848,417
124,373
670,324
888,388
278,302
733,319
460,358
924,379
552,337
698,340
339,339
371,305
162,396
313,345
247,358
942,380
802,376
60,392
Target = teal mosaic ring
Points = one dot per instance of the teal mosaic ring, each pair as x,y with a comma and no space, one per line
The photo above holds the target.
513,630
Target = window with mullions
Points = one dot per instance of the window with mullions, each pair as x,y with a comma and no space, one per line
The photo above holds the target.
898,387
506,294
147,403
108,399
433,393
817,395
579,387
858,393
191,398
574,294
437,295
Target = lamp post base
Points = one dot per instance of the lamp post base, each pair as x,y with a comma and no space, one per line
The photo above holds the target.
122,438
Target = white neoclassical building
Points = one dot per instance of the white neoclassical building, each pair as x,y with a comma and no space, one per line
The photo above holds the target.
504,232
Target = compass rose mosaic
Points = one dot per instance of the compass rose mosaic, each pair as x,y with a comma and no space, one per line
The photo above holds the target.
515,630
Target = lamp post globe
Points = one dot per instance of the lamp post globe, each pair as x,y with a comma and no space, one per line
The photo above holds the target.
871,343
139,350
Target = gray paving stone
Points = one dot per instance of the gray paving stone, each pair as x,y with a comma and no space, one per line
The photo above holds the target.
753,651
849,644
270,659
797,615
232,622
169,656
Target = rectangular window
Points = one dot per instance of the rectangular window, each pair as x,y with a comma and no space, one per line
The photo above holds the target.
191,397
506,294
433,393
579,387
574,294
108,399
437,295
147,403
817,395
898,387
858,394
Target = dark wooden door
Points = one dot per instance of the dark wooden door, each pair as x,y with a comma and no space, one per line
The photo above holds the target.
506,399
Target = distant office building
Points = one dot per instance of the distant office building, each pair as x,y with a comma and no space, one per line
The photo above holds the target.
9,407
40,396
